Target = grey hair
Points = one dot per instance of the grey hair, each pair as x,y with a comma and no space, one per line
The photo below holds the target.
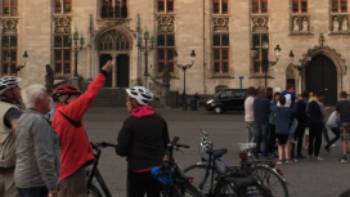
31,94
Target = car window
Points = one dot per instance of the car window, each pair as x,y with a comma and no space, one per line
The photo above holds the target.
239,95
226,94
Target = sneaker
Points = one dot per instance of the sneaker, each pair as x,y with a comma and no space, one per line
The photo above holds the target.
279,162
319,158
343,159
289,162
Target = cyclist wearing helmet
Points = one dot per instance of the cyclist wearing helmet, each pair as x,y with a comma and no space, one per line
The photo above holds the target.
142,140
75,148
10,104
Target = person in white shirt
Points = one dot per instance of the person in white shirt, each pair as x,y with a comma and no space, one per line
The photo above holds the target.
249,113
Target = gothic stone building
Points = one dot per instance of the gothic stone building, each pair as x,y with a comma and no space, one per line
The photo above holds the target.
233,41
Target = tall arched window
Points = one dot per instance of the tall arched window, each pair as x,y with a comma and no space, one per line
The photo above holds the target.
220,6
63,6
62,54
114,9
339,6
9,54
9,7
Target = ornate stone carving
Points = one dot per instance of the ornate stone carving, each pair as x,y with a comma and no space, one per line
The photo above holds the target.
62,24
220,23
300,24
9,25
166,22
340,23
260,23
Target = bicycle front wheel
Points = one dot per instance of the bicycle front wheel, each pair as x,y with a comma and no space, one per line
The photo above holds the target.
346,193
271,180
93,191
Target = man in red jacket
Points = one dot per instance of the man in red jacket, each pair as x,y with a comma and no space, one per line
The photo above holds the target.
76,151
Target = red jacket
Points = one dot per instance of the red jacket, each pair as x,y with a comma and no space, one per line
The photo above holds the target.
75,146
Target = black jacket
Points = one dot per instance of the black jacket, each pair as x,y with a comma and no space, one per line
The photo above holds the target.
261,110
314,113
301,112
143,141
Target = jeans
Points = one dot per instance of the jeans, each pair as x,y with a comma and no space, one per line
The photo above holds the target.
251,131
261,138
33,192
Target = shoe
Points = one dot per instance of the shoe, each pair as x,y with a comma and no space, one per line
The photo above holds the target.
333,145
343,159
279,162
289,162
318,158
326,148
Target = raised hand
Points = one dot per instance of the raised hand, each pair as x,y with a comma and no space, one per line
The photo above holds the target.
108,66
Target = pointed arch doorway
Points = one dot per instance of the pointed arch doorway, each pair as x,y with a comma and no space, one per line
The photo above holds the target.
321,76
115,45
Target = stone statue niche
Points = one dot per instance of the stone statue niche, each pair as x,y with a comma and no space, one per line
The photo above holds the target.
336,24
345,24
305,25
296,25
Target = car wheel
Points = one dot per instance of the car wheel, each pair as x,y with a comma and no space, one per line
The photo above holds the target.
218,110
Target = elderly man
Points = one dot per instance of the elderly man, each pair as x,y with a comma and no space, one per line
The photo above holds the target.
10,111
37,149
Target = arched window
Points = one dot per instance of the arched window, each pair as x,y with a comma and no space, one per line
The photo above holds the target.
114,9
221,51
63,6
9,7
113,40
339,6
259,6
299,6
165,51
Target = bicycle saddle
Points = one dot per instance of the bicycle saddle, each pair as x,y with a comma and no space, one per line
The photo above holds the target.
217,153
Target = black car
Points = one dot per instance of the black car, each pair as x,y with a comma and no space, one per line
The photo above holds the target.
227,100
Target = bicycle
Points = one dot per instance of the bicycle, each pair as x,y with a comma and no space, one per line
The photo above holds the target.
211,170
95,183
174,182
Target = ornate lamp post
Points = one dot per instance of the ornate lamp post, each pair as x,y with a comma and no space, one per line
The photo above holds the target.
78,44
146,46
265,59
184,68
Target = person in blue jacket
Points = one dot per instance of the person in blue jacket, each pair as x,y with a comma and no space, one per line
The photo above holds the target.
284,117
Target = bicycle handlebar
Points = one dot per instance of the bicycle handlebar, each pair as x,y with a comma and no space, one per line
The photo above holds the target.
174,143
103,144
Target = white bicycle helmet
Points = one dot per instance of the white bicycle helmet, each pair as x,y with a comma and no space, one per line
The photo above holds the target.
142,95
8,82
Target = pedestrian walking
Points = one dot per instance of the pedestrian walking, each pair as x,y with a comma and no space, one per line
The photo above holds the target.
75,148
142,140
284,117
316,124
249,113
10,111
301,116
37,148
333,123
343,108
261,116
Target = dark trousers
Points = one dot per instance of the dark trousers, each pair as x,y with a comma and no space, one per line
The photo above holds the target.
140,184
315,138
336,131
325,134
272,139
299,137
33,192
261,138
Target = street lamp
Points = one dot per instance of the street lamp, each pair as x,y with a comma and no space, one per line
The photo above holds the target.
146,47
184,68
265,59
78,44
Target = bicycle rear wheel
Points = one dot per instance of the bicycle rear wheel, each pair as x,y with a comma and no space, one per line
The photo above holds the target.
346,193
93,191
271,180
198,176
225,189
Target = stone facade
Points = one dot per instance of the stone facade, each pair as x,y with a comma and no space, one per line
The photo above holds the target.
193,25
